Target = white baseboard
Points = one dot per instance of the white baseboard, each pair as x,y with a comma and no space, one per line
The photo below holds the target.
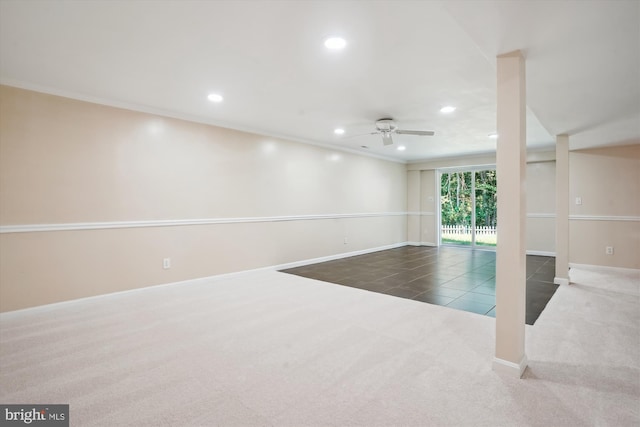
330,257
504,367
215,277
421,244
541,253
560,281
602,267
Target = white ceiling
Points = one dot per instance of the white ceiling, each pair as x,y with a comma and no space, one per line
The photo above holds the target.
404,59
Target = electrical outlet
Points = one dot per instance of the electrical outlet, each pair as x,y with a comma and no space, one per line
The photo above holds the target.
578,200
609,250
346,240
166,263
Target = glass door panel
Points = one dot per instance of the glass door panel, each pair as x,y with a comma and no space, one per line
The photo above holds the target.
468,208
456,208
486,202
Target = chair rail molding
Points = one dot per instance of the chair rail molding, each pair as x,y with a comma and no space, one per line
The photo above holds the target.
34,228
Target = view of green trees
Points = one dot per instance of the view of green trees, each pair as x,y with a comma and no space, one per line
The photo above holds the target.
486,198
456,201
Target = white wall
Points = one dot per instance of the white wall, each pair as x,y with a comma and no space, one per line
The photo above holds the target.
429,208
541,207
79,165
608,182
422,207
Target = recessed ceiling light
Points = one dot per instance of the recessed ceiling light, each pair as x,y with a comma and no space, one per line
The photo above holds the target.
448,109
214,97
493,135
335,43
338,131
401,148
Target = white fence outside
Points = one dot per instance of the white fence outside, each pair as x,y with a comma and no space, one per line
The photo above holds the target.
462,233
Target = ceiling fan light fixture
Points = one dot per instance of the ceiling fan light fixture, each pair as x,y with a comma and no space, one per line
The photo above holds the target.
448,109
386,127
335,43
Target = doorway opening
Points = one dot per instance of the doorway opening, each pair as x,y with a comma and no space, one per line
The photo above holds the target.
468,208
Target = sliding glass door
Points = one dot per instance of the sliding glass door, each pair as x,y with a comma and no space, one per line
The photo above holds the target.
456,208
468,207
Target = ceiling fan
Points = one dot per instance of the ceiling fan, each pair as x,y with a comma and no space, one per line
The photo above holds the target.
386,127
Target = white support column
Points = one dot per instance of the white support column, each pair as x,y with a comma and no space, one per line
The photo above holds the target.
511,153
562,210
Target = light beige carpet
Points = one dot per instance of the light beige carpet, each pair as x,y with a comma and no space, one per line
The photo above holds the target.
272,349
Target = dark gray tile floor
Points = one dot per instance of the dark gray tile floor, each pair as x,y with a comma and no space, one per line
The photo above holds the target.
459,278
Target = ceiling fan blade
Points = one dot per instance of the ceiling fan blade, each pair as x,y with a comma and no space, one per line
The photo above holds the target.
358,135
415,132
386,138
